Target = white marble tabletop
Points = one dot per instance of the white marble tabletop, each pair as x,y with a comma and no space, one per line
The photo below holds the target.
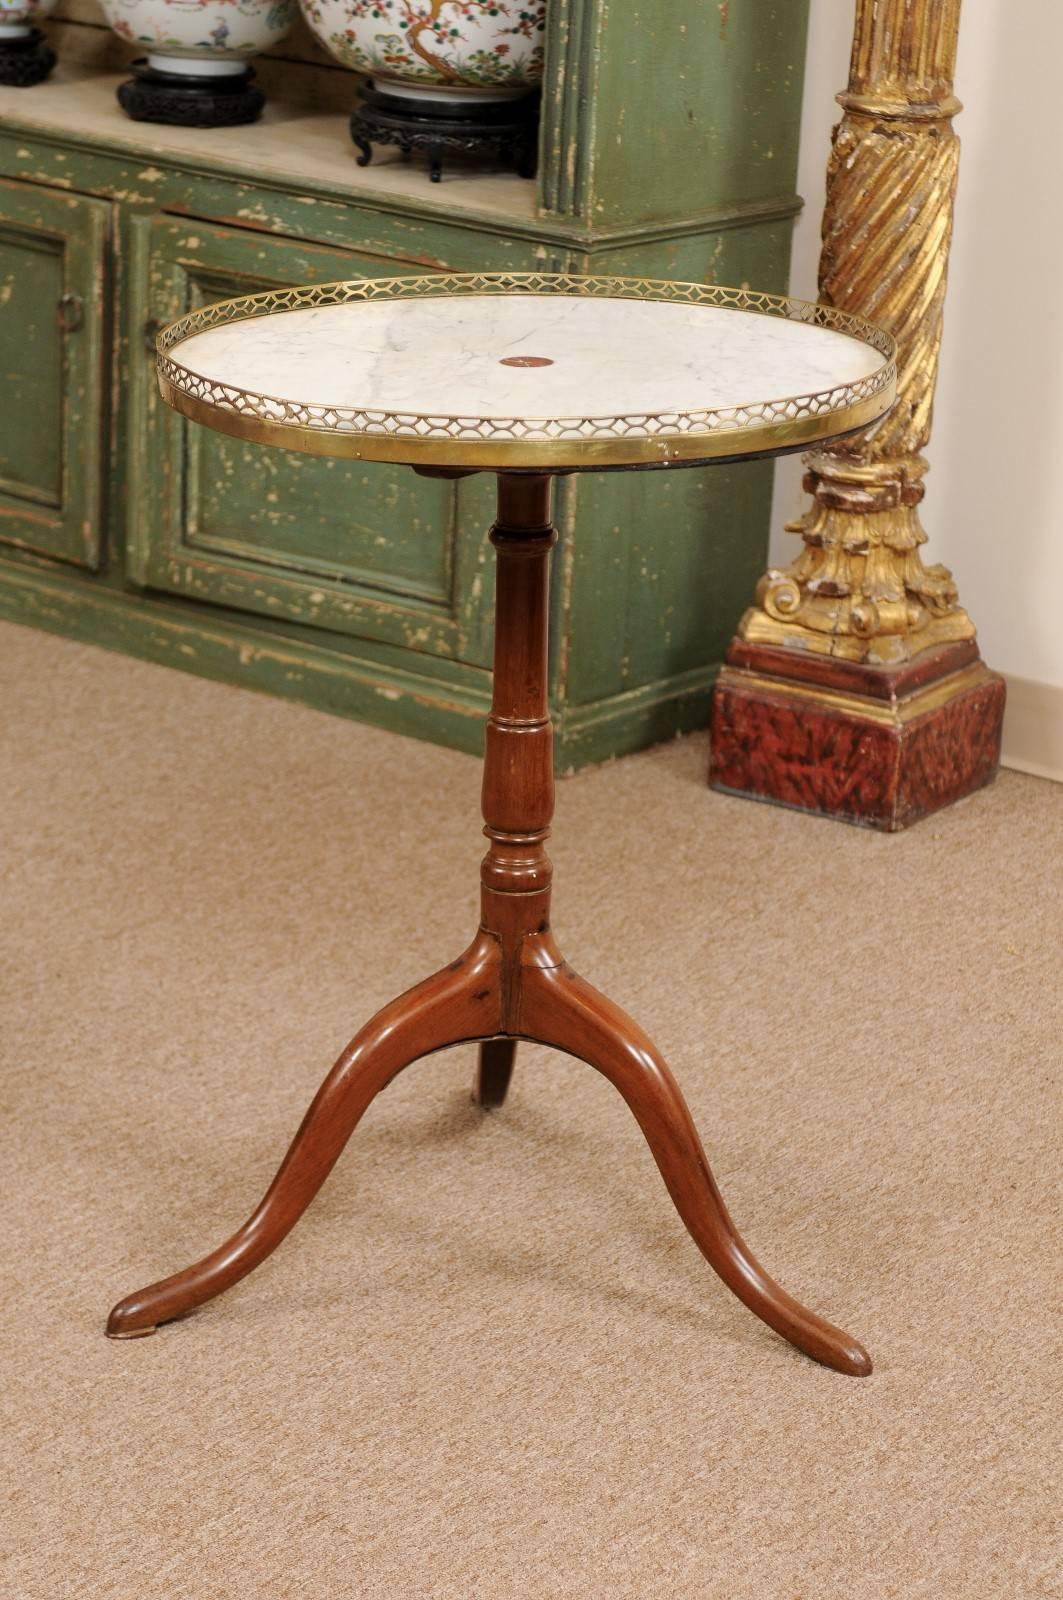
501,368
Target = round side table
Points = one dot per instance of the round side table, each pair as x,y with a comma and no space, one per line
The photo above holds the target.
527,376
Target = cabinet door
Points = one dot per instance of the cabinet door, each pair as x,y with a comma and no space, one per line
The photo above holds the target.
364,549
52,257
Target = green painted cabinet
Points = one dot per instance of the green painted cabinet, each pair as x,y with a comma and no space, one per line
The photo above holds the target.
52,264
668,149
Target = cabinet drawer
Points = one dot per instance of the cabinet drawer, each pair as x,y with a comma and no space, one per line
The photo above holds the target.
363,549
52,260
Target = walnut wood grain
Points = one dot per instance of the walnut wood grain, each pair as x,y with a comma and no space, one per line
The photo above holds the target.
511,983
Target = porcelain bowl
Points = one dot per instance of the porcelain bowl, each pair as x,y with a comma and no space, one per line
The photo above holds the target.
210,37
20,17
466,49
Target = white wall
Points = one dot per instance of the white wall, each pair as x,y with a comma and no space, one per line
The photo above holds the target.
994,505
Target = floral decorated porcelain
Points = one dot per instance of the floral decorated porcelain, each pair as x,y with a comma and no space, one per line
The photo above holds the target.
25,57
20,17
204,38
465,49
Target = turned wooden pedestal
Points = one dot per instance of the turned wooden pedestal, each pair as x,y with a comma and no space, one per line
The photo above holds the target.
511,983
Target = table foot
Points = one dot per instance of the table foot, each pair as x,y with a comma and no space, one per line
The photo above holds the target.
493,1072
459,1003
560,1009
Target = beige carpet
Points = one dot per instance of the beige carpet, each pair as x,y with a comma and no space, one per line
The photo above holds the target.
489,1362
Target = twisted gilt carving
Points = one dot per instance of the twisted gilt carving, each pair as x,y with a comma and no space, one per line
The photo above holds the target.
859,588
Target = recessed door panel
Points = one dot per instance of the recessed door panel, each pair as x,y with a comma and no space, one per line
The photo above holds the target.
52,258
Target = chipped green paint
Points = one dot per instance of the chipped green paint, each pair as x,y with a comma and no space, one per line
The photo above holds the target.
362,589
655,111
51,366
424,698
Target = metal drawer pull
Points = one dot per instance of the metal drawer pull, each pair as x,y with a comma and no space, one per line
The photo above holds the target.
71,312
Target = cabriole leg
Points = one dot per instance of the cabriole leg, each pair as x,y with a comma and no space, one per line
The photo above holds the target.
460,1003
560,1009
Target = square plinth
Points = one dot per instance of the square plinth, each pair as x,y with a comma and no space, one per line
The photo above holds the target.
880,747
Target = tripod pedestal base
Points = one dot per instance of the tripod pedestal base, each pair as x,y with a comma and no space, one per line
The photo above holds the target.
510,984
880,746
465,1001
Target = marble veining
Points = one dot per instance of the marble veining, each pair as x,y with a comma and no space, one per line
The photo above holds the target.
596,357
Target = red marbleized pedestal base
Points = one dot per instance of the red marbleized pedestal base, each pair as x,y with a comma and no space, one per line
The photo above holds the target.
879,746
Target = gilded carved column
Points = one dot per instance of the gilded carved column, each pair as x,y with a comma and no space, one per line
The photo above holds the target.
859,592
860,589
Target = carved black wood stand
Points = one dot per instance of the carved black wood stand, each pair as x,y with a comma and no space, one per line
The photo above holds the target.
506,130
25,60
190,102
